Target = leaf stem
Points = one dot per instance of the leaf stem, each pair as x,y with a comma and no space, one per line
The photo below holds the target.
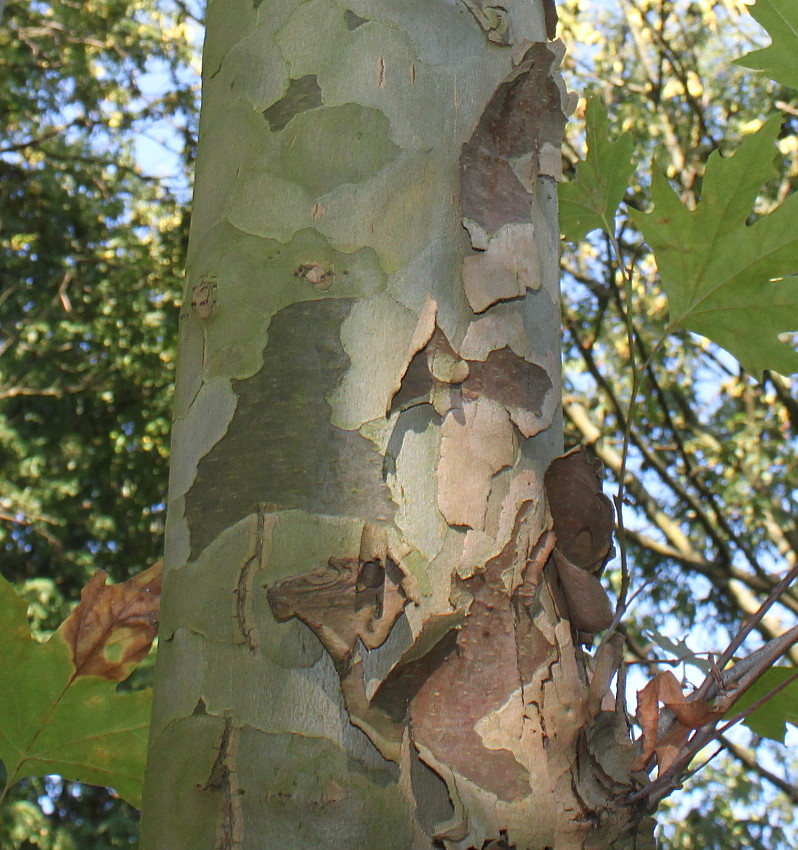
637,371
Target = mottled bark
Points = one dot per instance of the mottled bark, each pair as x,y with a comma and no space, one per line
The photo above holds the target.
372,614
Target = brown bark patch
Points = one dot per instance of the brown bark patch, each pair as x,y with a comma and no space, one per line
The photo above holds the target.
524,113
480,678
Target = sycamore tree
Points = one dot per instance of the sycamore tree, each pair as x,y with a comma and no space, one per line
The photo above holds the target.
381,571
383,621
378,578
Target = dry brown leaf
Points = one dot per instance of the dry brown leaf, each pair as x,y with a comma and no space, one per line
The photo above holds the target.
691,714
582,514
583,524
589,608
113,626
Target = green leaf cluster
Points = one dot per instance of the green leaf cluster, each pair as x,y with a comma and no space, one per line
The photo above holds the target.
780,707
98,110
91,249
590,201
734,283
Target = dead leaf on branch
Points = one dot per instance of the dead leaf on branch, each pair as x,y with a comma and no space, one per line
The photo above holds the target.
690,714
583,525
113,626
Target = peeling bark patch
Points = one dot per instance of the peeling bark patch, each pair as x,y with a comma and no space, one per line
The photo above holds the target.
416,384
473,684
524,113
583,524
353,21
509,379
312,466
492,17
343,602
433,805
551,18
583,516
350,600
303,94
437,375
436,642
506,269
476,443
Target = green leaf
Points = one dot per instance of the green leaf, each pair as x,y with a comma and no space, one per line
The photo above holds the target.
732,283
771,718
780,19
590,201
54,722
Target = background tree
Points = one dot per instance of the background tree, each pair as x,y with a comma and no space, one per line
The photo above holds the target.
712,460
91,246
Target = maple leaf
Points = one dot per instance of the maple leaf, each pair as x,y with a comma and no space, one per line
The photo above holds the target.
57,715
780,19
771,718
732,283
590,201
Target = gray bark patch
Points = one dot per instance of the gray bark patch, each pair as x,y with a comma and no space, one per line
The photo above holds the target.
280,450
303,94
353,21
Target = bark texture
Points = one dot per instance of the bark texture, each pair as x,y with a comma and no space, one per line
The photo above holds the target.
371,611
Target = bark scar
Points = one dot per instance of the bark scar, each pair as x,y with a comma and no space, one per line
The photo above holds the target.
223,780
242,592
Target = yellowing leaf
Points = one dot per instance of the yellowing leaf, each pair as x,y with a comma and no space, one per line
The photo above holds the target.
732,283
54,721
589,202
780,19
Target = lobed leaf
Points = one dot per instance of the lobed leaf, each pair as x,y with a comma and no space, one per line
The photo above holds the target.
780,19
732,283
589,202
55,719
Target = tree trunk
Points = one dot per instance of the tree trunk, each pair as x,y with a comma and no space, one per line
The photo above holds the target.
372,614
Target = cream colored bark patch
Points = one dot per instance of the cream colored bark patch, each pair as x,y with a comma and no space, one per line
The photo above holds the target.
476,442
425,327
502,327
509,266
